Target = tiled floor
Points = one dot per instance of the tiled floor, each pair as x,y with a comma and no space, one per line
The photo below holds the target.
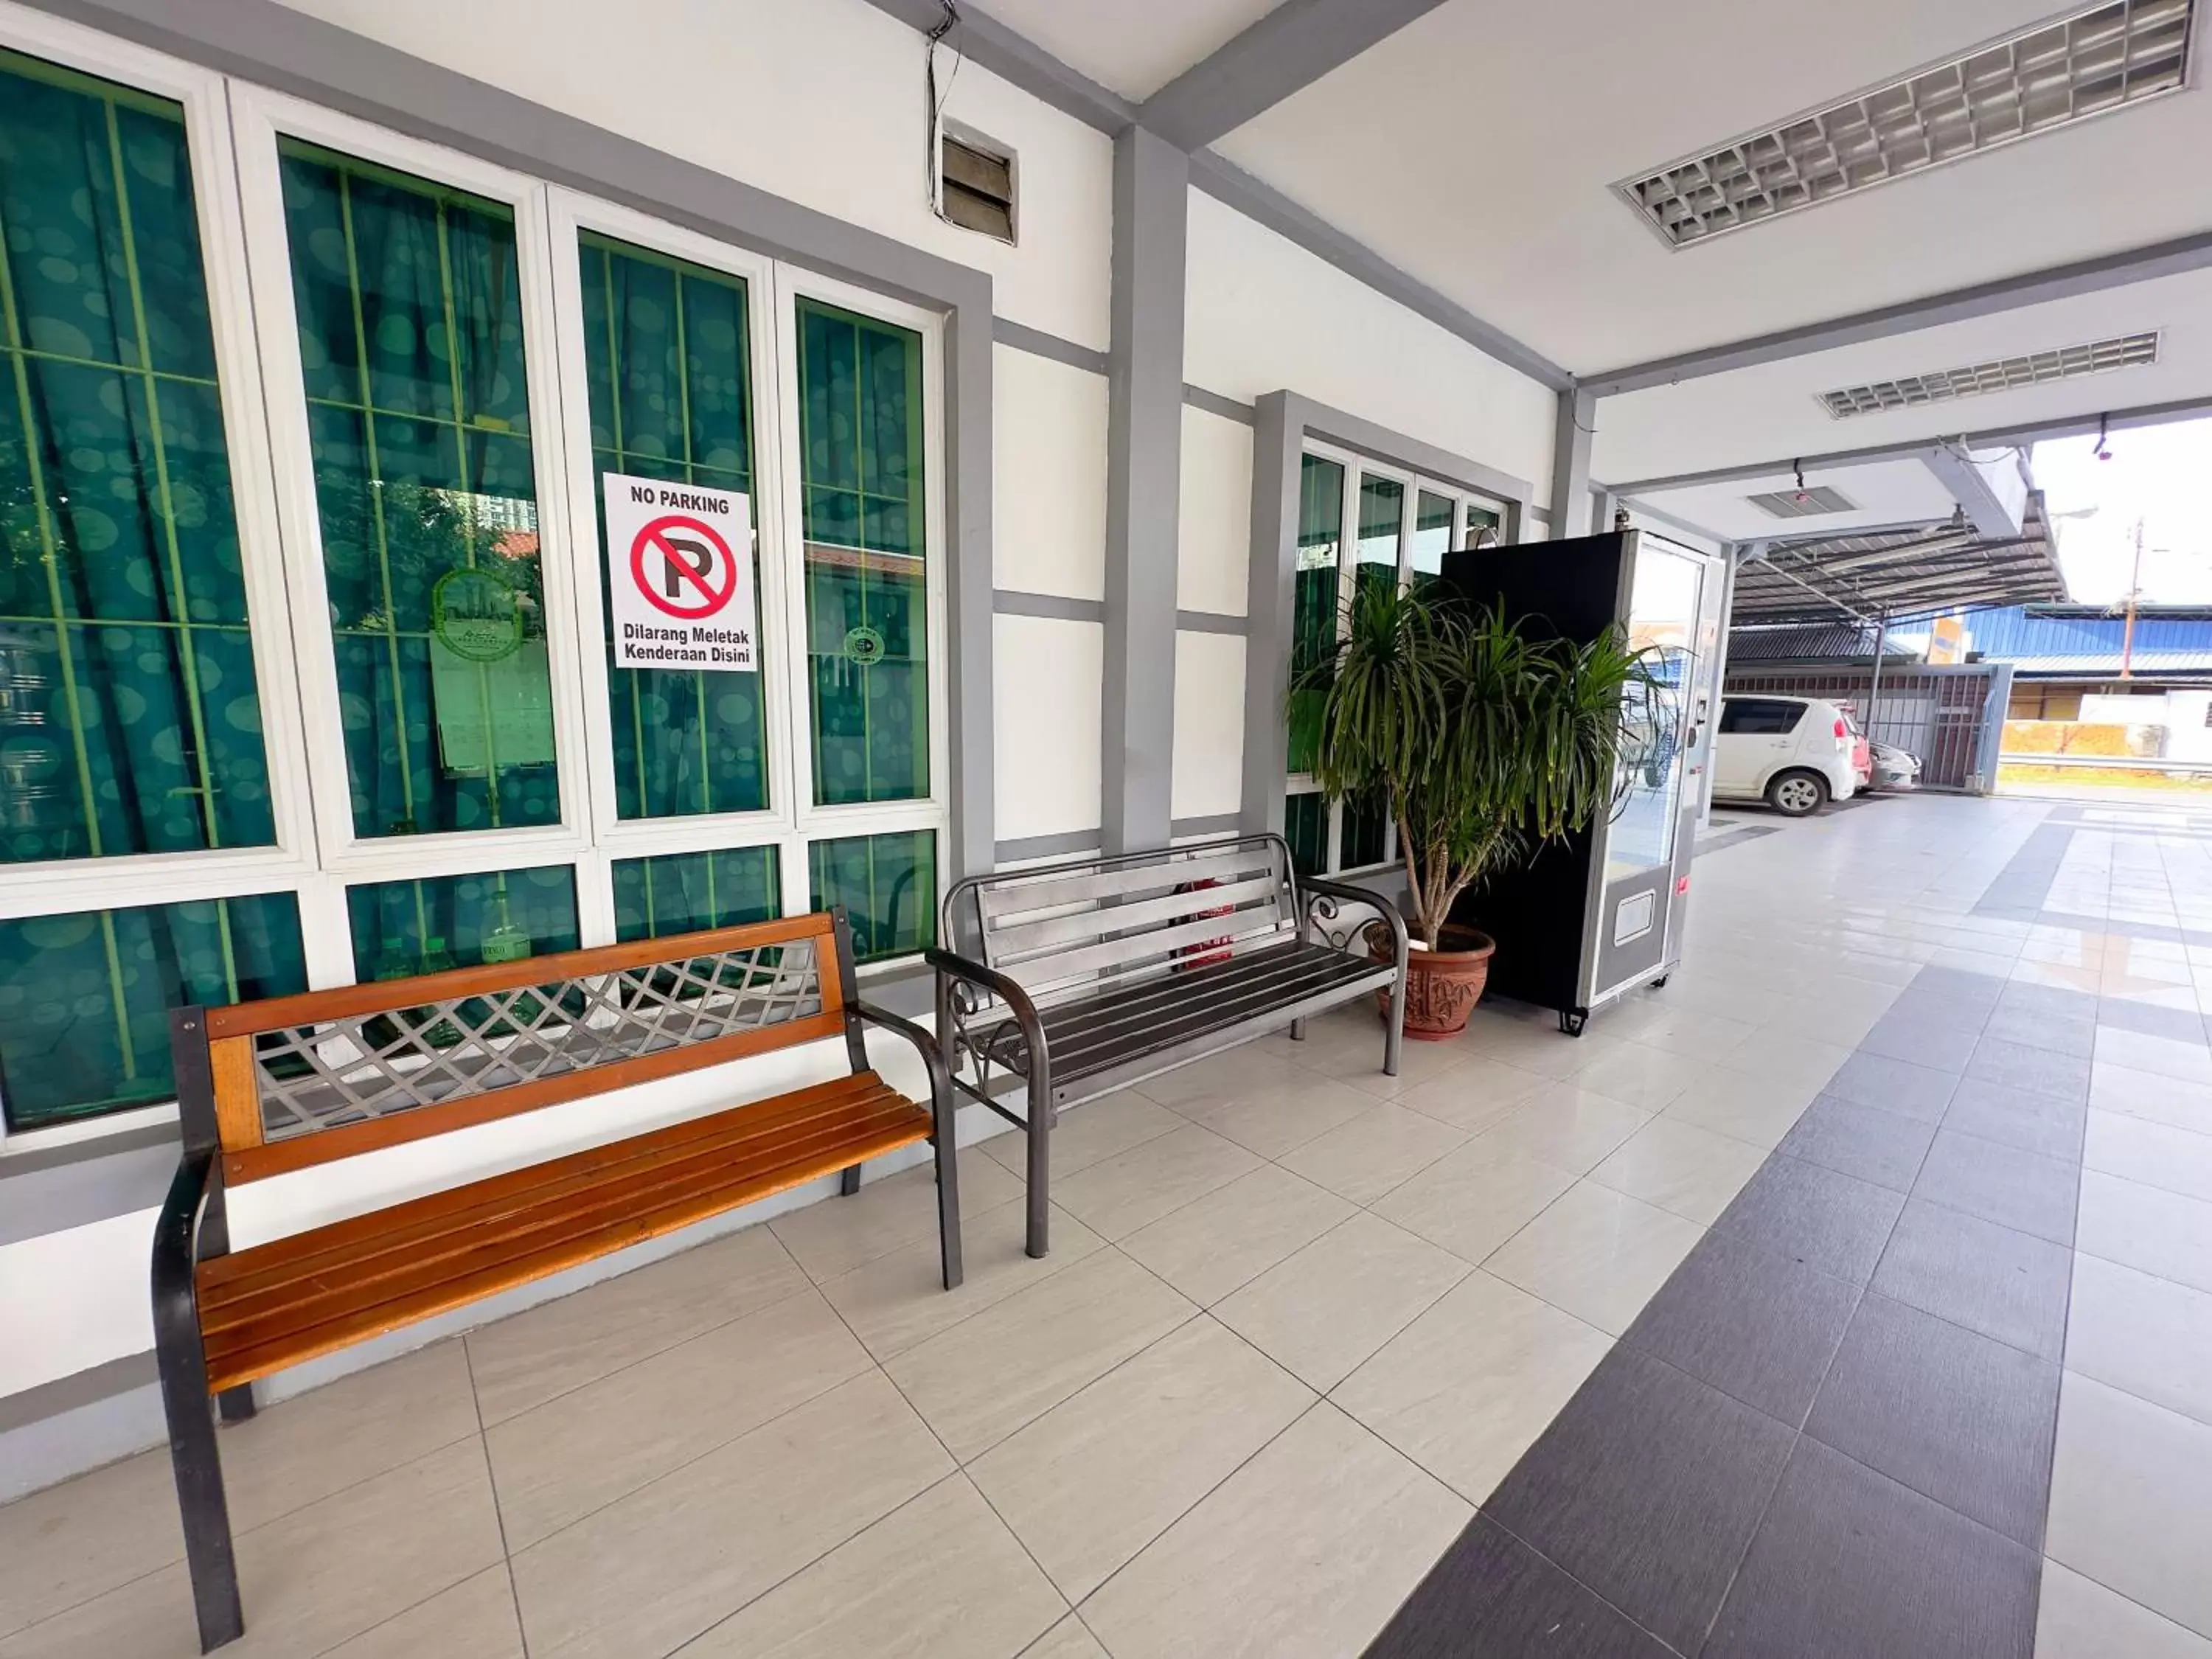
1770,1270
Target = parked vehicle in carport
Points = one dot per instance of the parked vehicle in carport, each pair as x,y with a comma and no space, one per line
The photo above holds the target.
1894,768
1797,754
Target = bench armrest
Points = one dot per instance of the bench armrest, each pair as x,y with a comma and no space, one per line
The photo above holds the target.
952,967
1310,887
933,1057
177,1246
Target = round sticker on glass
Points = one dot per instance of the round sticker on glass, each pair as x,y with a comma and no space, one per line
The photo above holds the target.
864,645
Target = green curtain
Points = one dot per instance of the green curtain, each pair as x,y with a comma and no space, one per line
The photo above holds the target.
888,885
411,339
129,719
667,354
430,923
868,630
684,892
1313,602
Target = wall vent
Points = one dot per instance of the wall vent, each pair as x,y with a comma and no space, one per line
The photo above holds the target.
2035,80
975,185
1803,503
2000,375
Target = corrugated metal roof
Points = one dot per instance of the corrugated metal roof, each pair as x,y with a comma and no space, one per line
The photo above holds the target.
2108,665
1907,574
1814,642
2080,633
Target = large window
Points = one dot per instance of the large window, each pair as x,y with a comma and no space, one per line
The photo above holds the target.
1359,525
248,346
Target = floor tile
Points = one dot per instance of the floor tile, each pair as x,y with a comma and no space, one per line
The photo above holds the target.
2148,1335
1641,1075
1472,1201
1493,1597
939,1578
1086,1133
1647,1488
1326,1308
2060,1033
71,1542
2176,1023
2146,1228
1681,1167
2174,1101
2034,1124
1117,1196
1990,1279
1957,1417
1863,1141
2031,1071
1757,1108
559,1462
1278,1117
1071,1638
1467,1387
474,1619
2131,1500
977,1383
1937,1043
1233,1236
1302,1553
546,1351
1755,1325
1473,1094
1849,1565
1234,1074
2157,1154
310,1580
1680,1028
653,1569
899,1299
2080,1618
1536,1044
1364,1158
835,1236
1354,1054
2188,1058
1894,1085
1828,1221
1564,1124
1102,1474
1598,1254
2000,1183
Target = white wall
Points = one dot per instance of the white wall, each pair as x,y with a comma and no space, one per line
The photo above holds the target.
1266,315
1214,537
1209,725
820,102
1047,476
1046,713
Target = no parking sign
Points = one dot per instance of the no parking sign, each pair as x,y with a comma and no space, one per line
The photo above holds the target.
680,574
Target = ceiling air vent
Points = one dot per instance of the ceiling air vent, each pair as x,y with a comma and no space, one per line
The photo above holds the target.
2035,80
976,186
1803,503
2002,374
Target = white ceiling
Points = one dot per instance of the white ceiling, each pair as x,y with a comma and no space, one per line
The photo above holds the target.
1134,47
1475,147
1766,413
1885,492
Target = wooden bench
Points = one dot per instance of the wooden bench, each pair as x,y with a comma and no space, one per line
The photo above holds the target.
1079,978
267,1088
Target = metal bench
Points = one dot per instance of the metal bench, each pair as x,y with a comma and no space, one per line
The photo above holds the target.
1077,979
266,1088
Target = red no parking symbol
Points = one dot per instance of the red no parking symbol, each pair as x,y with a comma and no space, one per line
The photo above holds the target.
683,568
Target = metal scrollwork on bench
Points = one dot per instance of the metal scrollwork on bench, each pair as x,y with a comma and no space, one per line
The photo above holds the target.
1341,922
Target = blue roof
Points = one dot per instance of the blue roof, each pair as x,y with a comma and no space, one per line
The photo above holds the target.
2060,638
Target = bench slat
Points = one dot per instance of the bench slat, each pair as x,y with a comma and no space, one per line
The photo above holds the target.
1021,945
1013,896
1147,953
558,1232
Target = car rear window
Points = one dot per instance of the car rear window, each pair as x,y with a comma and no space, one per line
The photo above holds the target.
1761,716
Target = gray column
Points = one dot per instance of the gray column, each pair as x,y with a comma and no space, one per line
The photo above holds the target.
1144,479
1271,590
1571,453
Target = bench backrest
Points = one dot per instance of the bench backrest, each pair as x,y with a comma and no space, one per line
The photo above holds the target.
1078,928
289,1082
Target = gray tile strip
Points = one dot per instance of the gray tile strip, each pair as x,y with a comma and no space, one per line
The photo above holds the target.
1845,1399
1211,622
1056,607
1214,404
1067,844
1020,336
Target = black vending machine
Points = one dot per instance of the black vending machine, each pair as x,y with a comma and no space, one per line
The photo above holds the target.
1587,919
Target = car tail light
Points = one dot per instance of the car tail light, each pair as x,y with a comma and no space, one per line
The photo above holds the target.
1841,730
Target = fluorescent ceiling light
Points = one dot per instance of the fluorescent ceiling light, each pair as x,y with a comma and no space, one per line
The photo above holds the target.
2035,80
2001,374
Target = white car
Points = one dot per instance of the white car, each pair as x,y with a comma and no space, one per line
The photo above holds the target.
1795,753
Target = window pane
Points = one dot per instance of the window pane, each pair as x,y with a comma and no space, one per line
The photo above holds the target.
867,629
669,359
129,719
421,925
1365,822
1479,519
687,891
1313,603
1381,519
888,885
411,339
85,999
1305,826
1432,533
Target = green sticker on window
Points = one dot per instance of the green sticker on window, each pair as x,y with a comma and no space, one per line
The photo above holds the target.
475,612
865,646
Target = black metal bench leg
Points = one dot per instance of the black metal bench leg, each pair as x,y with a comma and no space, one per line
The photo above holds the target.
848,1181
1394,1038
948,1207
1040,1162
236,1404
201,1505
1298,1031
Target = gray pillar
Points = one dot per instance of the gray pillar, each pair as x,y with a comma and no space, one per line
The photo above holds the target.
1144,477
1271,590
1570,457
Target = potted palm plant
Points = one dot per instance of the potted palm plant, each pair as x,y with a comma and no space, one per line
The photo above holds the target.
1483,739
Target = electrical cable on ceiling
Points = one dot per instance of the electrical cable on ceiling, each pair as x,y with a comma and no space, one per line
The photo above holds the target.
932,101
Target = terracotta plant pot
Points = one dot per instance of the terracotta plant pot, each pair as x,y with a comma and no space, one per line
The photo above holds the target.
1441,987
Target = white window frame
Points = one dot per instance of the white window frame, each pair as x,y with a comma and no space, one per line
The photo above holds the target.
1358,469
